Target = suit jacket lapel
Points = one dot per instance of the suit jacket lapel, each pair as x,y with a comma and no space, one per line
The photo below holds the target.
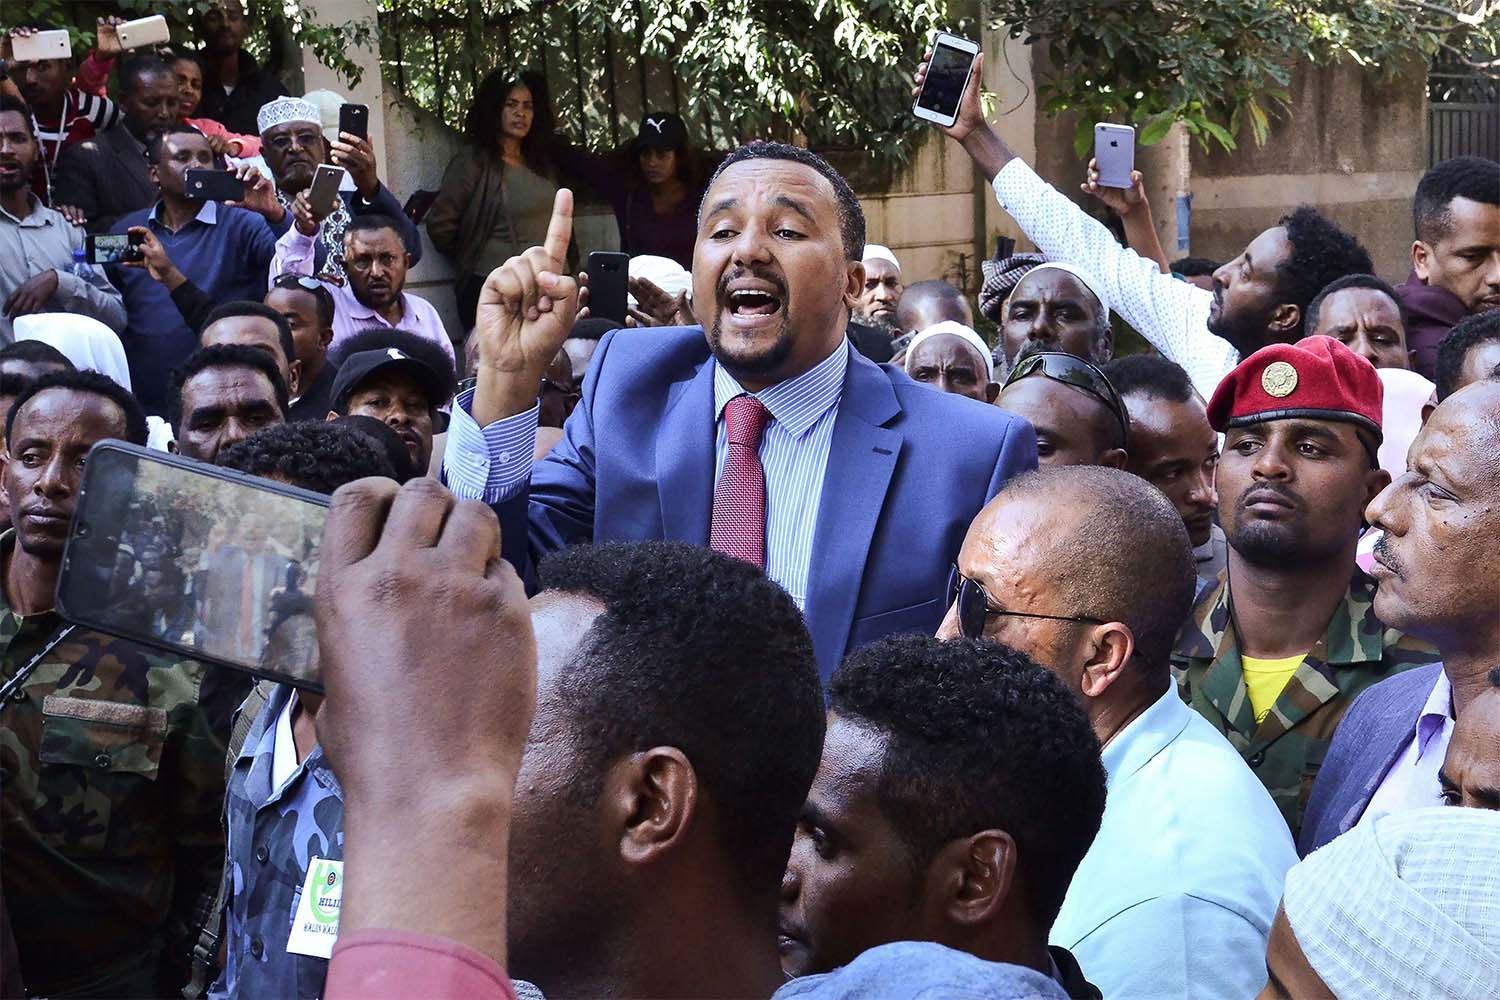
861,460
685,459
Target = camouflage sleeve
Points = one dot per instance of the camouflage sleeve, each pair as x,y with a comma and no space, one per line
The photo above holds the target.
194,764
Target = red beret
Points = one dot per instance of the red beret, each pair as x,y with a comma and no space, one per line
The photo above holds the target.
1316,377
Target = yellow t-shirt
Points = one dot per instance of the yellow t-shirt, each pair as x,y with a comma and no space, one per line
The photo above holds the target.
1265,680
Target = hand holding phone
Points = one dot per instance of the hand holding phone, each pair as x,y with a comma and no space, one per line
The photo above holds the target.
942,88
214,185
355,120
113,248
1114,155
609,274
144,31
29,45
323,192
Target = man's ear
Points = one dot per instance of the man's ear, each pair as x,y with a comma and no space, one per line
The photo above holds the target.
330,416
1421,259
652,799
1115,458
295,370
1375,481
974,877
854,283
991,391
172,445
5,493
155,177
1285,317
1110,649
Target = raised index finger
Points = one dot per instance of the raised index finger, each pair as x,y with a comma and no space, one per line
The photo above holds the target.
560,229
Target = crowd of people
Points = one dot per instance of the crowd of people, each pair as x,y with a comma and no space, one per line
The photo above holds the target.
790,638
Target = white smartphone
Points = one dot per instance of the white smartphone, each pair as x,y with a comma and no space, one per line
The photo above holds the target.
41,46
142,31
1114,154
948,73
323,193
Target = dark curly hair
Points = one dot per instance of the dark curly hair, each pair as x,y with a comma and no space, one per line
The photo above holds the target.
701,652
221,356
851,215
979,737
482,124
1454,348
314,455
381,338
1321,254
246,307
1370,281
1471,177
85,381
1151,376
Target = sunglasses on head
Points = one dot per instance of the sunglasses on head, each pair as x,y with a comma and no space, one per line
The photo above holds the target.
975,607
297,281
1072,370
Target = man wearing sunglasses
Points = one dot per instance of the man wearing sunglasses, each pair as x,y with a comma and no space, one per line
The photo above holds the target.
1078,416
1177,893
1273,655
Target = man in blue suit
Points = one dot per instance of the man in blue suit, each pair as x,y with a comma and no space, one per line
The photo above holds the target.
1439,580
759,432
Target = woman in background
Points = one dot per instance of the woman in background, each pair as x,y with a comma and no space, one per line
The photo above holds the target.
496,196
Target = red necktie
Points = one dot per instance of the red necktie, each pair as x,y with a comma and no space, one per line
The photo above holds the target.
739,521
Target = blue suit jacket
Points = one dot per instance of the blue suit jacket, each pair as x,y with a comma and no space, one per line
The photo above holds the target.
1380,723
908,468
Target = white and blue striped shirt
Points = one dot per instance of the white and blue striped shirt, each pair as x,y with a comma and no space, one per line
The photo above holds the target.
493,463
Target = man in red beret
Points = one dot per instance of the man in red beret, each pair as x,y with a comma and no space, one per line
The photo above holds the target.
1274,665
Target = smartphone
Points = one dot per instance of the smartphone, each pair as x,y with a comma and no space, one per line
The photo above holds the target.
355,119
1114,154
41,46
324,190
112,248
196,560
214,185
609,281
143,31
948,74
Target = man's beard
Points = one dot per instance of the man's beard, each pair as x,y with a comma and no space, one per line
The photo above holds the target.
1245,331
885,323
1004,366
768,362
1271,544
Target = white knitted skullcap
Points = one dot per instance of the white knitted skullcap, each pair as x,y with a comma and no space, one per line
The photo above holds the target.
287,109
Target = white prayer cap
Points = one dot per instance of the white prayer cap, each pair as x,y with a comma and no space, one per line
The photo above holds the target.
663,272
1404,906
286,109
83,340
874,251
1406,395
328,103
1089,281
958,330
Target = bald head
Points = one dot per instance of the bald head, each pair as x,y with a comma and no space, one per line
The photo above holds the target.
930,302
1092,542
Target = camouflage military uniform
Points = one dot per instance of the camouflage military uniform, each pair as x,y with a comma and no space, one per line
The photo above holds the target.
1287,748
273,835
109,814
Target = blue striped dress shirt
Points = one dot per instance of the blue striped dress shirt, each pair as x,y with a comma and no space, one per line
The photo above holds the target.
494,463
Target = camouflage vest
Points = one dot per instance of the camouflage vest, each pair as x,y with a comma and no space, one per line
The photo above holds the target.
1286,749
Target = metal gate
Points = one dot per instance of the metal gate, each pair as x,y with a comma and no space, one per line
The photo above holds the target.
1463,114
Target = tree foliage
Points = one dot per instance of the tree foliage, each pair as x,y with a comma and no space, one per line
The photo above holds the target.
1222,67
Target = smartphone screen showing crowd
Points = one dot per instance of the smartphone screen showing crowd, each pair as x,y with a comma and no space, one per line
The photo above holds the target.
947,77
197,560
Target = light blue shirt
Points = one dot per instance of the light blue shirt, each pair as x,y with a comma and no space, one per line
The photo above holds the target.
1176,896
923,970
494,463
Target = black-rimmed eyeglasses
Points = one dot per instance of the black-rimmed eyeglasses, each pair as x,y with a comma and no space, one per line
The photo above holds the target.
975,607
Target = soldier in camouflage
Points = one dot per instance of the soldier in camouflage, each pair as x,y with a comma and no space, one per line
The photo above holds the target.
1278,647
112,763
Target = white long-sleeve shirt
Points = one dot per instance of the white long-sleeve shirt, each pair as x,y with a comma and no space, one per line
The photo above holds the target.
1168,312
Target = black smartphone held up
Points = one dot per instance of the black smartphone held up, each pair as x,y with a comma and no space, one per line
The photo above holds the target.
609,281
947,78
214,185
355,119
197,560
112,248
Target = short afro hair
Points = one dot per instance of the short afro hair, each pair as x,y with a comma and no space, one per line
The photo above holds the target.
1370,281
321,295
314,456
85,381
378,338
1321,254
701,652
978,737
851,215
1150,375
249,307
35,352
156,141
372,222
1454,348
20,107
1139,569
1194,267
136,70
221,356
385,438
1473,177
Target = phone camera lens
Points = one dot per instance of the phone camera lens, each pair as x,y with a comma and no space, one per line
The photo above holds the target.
1112,142
81,530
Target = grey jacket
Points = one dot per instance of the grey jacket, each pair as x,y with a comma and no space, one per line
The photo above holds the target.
1379,724
915,970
